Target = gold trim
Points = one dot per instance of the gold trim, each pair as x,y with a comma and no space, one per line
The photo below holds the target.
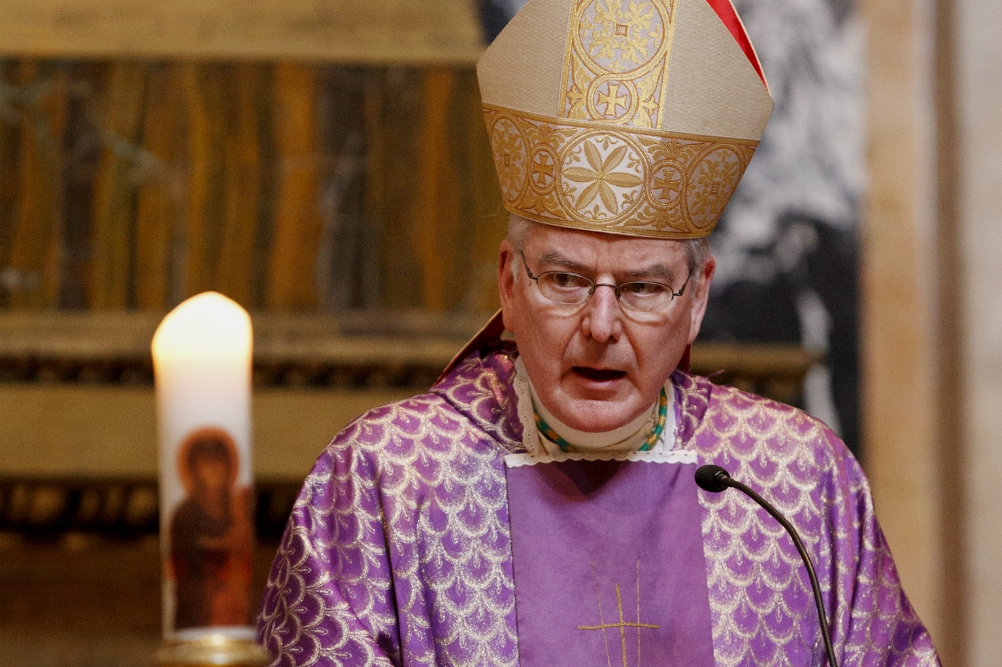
609,61
608,178
592,124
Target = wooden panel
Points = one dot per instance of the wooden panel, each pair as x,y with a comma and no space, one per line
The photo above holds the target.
205,105
957,612
87,602
115,189
241,190
102,431
301,339
159,205
50,611
371,31
297,217
80,431
434,222
488,217
285,186
363,340
400,153
9,146
37,228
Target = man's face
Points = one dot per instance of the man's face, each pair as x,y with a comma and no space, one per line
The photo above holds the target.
596,366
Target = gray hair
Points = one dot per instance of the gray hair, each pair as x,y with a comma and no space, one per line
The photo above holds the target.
697,251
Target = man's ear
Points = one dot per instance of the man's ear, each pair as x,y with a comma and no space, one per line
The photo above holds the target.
701,297
506,279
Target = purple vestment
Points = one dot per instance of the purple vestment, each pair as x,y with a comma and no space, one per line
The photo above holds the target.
609,566
399,552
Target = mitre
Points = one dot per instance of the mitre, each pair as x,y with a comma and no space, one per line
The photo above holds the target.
623,116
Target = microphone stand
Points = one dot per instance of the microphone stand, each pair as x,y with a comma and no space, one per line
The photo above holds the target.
715,479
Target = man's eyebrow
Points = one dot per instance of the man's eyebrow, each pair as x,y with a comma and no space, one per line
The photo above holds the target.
553,258
654,271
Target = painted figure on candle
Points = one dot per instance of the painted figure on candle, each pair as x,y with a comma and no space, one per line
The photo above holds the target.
211,535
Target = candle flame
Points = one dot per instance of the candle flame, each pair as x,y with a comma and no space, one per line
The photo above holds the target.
206,326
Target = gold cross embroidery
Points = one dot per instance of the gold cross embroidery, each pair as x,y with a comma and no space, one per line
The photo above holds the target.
622,624
542,166
612,99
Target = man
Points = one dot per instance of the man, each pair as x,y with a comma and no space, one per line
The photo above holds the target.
537,506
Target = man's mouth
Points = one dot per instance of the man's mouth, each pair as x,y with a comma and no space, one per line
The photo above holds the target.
598,374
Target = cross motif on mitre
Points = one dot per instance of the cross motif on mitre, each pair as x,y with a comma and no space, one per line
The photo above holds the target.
612,99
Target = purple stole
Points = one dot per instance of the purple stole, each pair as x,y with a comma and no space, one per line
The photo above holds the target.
608,564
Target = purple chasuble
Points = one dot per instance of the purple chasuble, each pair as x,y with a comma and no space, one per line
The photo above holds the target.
399,551
608,564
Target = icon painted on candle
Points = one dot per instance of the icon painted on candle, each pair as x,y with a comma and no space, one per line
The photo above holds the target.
202,361
211,534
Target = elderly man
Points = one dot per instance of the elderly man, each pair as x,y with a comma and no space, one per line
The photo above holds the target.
537,505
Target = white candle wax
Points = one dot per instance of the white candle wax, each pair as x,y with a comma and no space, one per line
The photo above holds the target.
202,365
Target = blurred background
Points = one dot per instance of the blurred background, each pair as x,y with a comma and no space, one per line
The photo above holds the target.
327,167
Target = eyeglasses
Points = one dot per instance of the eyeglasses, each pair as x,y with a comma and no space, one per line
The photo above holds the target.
572,289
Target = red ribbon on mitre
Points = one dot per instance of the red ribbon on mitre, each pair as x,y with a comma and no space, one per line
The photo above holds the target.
725,10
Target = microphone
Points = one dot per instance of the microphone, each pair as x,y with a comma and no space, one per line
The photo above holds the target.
715,479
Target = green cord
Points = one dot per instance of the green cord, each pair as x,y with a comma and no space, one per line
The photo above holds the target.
565,446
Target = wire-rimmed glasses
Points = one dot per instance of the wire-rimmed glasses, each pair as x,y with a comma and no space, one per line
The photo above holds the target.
572,289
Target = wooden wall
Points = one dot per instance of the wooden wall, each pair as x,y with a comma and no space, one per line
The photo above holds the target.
132,184
369,31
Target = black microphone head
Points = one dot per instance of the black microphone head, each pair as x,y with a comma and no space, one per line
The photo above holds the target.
712,478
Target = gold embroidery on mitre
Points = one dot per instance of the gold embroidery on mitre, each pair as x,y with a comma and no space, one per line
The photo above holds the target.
607,178
616,61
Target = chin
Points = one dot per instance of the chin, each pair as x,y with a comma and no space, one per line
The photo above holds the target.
597,416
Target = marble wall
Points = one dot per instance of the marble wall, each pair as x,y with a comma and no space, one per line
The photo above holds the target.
978,56
932,330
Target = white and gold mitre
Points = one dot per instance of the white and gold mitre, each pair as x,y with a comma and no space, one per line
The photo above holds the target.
625,116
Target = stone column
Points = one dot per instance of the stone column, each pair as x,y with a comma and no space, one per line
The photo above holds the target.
978,86
899,279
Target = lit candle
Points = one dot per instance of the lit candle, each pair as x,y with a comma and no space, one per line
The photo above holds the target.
202,363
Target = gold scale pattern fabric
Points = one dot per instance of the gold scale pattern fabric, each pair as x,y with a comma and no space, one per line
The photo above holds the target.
398,549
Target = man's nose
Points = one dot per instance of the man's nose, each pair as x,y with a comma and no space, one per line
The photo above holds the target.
603,319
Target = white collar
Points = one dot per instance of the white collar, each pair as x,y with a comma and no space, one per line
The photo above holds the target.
629,437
